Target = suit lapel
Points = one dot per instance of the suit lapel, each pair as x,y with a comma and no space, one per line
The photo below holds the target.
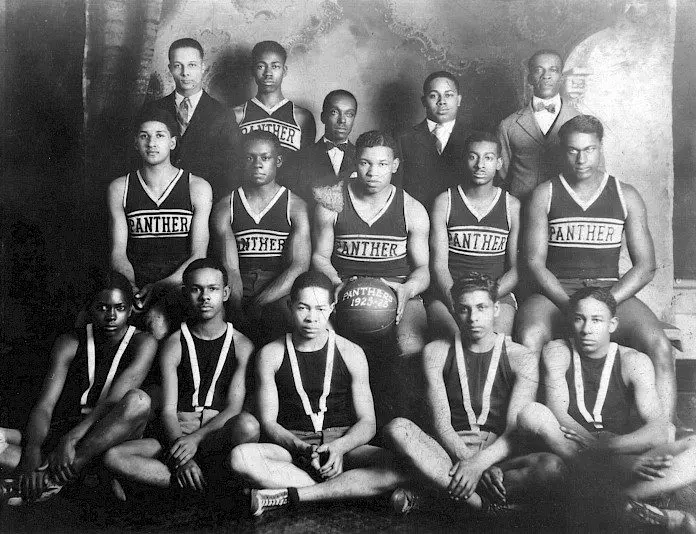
348,163
564,116
456,140
425,138
529,124
199,115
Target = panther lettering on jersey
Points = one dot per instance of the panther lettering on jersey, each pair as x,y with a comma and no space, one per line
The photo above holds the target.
585,232
258,243
369,247
143,224
477,240
289,136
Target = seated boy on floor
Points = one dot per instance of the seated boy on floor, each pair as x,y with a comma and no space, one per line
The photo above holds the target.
89,401
203,367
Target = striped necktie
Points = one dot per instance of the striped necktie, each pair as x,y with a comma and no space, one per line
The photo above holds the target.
182,115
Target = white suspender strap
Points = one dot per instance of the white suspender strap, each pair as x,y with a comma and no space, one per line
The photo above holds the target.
474,422
195,371
92,365
317,418
596,417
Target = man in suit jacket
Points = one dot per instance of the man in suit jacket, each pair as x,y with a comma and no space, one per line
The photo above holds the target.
331,159
529,137
208,133
432,153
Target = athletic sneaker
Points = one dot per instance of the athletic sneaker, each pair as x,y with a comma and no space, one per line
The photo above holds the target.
263,500
404,501
9,491
643,514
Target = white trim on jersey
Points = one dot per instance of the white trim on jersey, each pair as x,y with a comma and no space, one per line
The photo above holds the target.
159,200
257,217
125,192
196,375
473,209
476,422
381,211
287,208
507,210
449,205
585,205
92,363
548,204
272,110
619,190
596,417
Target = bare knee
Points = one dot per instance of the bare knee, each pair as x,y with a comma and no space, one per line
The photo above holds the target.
533,338
136,405
113,458
660,351
398,430
533,417
549,468
247,428
239,462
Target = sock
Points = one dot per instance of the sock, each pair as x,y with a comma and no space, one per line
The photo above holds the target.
293,497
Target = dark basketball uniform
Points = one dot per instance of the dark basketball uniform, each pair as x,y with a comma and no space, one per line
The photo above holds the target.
260,238
585,238
616,410
83,387
204,373
279,120
477,242
158,228
376,248
477,369
312,367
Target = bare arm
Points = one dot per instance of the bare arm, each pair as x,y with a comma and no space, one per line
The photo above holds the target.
508,281
299,251
556,361
525,366
169,359
640,248
324,243
201,200
365,427
418,226
236,390
118,230
39,423
308,126
439,249
637,370
268,362
226,245
536,244
434,357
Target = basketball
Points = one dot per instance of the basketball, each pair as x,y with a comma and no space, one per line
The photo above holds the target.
366,308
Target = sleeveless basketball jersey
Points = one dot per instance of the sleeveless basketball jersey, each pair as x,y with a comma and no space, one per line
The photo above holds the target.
260,237
477,365
371,248
80,394
204,377
158,228
279,120
312,365
477,241
616,411
585,238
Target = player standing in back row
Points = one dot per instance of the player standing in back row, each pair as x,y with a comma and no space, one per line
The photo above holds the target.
269,110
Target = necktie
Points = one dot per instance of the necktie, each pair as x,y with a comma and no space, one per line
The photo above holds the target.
539,106
182,115
331,145
437,132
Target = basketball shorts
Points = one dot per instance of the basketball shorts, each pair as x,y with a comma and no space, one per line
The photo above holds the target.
192,421
477,441
571,285
255,281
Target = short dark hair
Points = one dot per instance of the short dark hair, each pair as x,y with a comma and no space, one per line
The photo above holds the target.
311,279
475,281
153,113
376,138
544,52
186,42
261,135
440,74
476,137
103,280
204,263
263,47
337,93
602,294
587,124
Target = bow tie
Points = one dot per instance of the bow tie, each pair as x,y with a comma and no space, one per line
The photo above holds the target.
331,145
540,106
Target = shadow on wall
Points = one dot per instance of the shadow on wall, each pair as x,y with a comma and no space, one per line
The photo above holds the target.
231,81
